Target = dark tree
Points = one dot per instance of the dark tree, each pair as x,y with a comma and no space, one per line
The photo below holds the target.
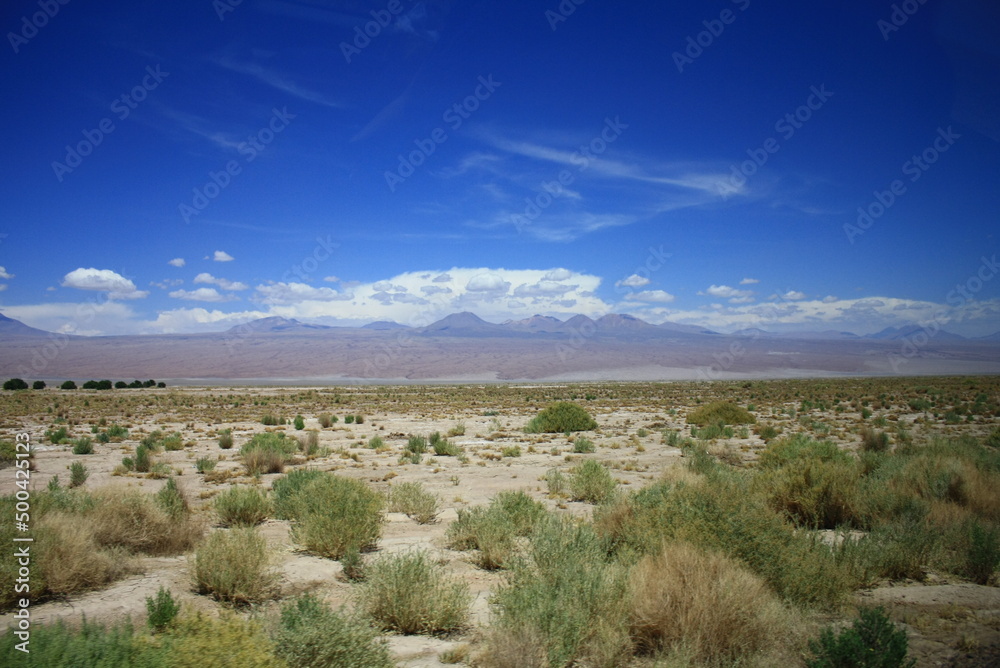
121,385
68,385
38,385
15,384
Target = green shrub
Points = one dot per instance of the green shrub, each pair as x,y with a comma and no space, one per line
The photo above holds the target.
59,645
583,445
333,514
226,439
416,445
561,417
172,501
68,385
310,634
15,384
409,593
78,474
233,566
173,443
815,493
325,420
873,641
83,446
591,482
376,442
983,555
142,462
161,611
565,599
411,498
271,420
267,453
205,464
442,447
299,423
359,419
785,450
242,507
57,436
285,489
511,451
720,411
117,433
348,419
492,529
556,482
353,564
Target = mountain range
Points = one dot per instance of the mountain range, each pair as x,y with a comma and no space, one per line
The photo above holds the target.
463,346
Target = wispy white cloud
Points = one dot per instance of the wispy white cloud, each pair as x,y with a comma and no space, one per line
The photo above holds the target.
734,295
177,262
4,274
223,283
749,281
276,80
202,295
222,256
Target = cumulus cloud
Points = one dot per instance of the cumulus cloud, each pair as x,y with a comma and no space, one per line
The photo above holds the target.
103,280
223,283
633,281
201,295
543,288
558,275
4,275
488,283
651,296
222,256
749,281
734,295
442,278
829,299
177,262
793,295
292,293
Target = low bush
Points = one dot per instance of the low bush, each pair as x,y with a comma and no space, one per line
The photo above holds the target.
591,482
416,445
720,411
326,420
556,482
411,498
704,606
583,445
561,417
161,611
205,464
333,514
375,443
311,634
299,423
242,507
136,522
267,453
409,593
285,489
565,603
492,529
872,641
309,443
60,645
83,446
198,640
226,439
172,501
815,493
443,447
78,474
69,560
874,441
233,566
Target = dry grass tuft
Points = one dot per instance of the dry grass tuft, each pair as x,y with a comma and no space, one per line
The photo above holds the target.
134,521
705,606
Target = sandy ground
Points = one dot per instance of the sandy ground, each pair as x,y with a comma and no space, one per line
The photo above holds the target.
946,620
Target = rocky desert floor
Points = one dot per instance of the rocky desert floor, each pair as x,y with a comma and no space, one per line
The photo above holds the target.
949,621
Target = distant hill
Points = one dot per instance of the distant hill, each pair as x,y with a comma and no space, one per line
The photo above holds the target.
10,327
382,325
897,333
275,324
465,323
537,323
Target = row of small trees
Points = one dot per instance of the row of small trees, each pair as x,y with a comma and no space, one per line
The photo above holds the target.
20,384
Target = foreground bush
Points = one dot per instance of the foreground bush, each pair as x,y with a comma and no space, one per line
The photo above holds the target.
409,593
720,412
139,523
285,489
492,529
412,499
873,641
705,607
566,601
62,646
242,507
233,566
591,482
332,515
311,634
561,417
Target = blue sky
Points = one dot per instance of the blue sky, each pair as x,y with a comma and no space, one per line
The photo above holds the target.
185,166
